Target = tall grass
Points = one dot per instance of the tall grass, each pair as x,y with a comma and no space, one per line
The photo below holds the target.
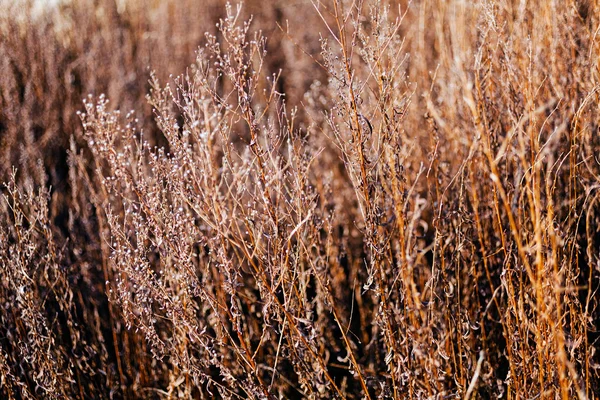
346,199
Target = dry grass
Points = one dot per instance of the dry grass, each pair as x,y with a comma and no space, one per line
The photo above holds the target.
343,199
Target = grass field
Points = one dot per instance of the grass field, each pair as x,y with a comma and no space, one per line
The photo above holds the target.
293,199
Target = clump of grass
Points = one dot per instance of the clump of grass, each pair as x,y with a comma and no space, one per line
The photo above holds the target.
416,219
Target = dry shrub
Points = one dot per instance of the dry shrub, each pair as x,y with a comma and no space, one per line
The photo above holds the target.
404,206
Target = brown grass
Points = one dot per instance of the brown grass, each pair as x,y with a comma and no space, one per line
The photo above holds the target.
346,199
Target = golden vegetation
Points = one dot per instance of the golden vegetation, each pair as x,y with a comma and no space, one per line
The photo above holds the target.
346,199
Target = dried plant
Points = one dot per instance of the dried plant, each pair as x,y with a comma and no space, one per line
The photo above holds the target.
342,199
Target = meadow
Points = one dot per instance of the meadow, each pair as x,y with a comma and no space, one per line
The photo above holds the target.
349,199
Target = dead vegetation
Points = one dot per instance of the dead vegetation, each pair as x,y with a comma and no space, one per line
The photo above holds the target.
343,199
